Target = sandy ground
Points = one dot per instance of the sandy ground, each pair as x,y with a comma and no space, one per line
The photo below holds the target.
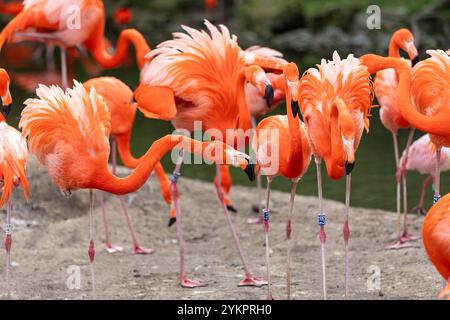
51,234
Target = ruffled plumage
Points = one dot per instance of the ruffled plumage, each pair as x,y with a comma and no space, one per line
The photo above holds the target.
64,126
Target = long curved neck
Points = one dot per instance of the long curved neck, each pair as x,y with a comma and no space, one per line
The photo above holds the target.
106,181
123,147
336,159
99,49
244,111
394,49
436,124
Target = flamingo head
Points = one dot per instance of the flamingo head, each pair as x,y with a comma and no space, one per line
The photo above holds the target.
291,74
258,78
221,153
4,93
405,41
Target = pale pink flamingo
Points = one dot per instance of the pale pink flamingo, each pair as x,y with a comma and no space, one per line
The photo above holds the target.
422,158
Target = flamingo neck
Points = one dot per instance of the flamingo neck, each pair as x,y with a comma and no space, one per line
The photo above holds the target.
394,48
99,48
436,124
124,149
335,160
245,122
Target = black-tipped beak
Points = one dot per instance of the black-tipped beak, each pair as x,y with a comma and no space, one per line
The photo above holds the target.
415,61
349,167
295,109
269,95
250,171
6,110
172,221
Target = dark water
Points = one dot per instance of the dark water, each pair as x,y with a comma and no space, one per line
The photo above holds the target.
373,183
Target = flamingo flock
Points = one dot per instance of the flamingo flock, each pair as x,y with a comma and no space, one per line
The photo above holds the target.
203,79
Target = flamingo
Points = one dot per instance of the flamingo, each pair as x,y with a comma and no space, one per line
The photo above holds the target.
11,8
282,149
428,83
385,85
335,100
54,19
422,158
119,99
200,78
436,239
68,132
13,159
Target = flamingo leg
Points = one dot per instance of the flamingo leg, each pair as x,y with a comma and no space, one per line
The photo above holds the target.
136,247
258,208
91,250
249,280
109,247
406,237
322,222
346,233
437,176
266,216
184,281
8,243
64,77
288,237
420,208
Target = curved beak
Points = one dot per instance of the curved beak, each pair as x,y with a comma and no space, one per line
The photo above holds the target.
295,108
411,50
172,221
268,95
6,110
350,153
250,171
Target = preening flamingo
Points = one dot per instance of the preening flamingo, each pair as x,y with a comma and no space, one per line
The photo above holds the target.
13,159
54,22
198,78
119,99
335,100
385,84
436,239
422,158
282,149
68,133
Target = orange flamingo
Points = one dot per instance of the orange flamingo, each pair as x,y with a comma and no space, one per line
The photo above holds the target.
56,23
198,78
13,159
11,8
428,83
436,239
335,100
119,99
68,133
385,84
282,149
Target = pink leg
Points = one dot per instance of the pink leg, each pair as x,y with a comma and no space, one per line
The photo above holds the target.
64,78
109,247
437,176
259,219
249,280
321,217
91,250
136,248
184,281
258,208
420,208
266,216
288,237
8,242
346,233
406,237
